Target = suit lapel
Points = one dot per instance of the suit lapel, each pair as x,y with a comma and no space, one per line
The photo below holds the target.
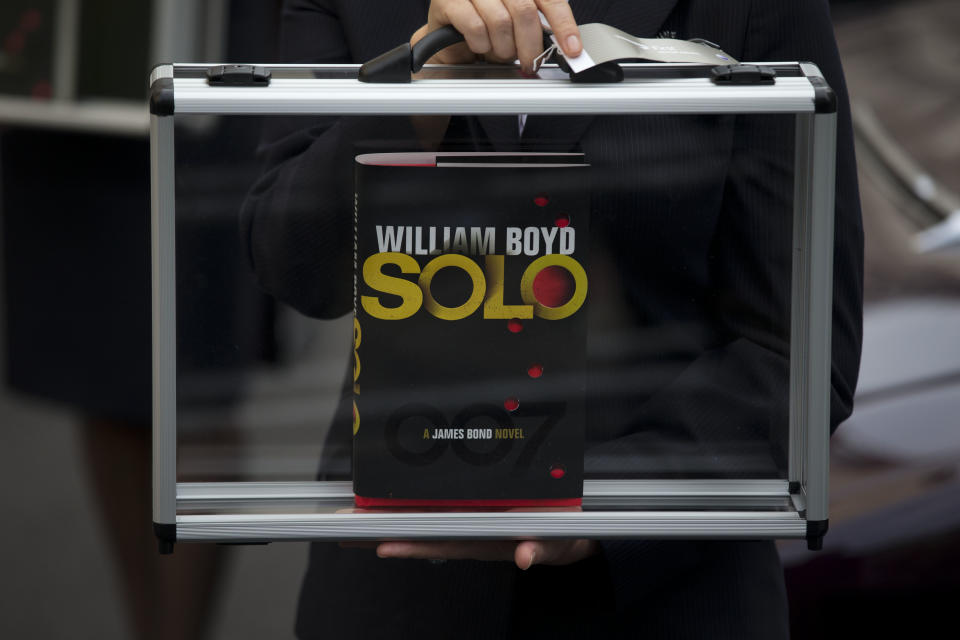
642,18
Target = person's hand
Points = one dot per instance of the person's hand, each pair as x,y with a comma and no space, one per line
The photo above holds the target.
501,30
525,554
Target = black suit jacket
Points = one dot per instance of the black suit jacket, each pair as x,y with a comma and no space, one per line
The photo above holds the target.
693,219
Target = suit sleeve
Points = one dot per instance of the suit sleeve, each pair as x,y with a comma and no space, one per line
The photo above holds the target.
741,387
297,220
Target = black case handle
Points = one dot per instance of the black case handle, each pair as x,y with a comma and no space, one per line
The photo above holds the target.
399,64
432,44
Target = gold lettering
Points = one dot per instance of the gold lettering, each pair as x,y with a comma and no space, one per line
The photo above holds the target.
409,291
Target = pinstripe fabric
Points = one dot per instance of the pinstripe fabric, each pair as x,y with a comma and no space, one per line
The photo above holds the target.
695,239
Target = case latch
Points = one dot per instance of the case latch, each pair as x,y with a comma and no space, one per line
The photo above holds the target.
743,74
238,75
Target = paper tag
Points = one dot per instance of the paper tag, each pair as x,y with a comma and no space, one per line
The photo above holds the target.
603,43
581,63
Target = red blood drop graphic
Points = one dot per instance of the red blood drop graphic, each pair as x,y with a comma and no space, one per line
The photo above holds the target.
541,200
511,404
553,286
514,326
14,43
41,90
31,19
557,472
563,220
535,370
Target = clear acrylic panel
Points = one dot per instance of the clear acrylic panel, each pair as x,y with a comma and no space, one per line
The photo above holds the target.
540,299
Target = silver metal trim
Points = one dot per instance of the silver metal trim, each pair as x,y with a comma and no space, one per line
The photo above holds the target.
810,70
252,495
162,195
344,65
597,494
810,340
799,295
586,524
819,323
799,502
744,488
161,71
812,304
537,96
687,494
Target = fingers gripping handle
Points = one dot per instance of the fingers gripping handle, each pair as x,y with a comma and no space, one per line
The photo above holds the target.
399,64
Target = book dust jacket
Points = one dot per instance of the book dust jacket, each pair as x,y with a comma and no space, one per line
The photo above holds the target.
471,287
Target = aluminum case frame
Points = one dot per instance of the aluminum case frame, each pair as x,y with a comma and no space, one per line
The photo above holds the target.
792,508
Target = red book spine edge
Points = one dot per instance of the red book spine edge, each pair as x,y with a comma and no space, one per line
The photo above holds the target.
361,501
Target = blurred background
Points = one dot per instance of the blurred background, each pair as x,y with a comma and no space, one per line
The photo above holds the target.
74,321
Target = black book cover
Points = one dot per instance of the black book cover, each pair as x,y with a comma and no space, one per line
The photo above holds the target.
470,329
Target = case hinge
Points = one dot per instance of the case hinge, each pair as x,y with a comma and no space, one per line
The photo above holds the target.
238,75
743,74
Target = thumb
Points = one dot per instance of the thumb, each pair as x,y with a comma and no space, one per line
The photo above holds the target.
529,553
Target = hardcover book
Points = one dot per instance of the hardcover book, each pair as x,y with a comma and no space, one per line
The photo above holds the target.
470,328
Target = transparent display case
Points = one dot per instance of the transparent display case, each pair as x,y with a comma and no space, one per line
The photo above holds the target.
616,304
